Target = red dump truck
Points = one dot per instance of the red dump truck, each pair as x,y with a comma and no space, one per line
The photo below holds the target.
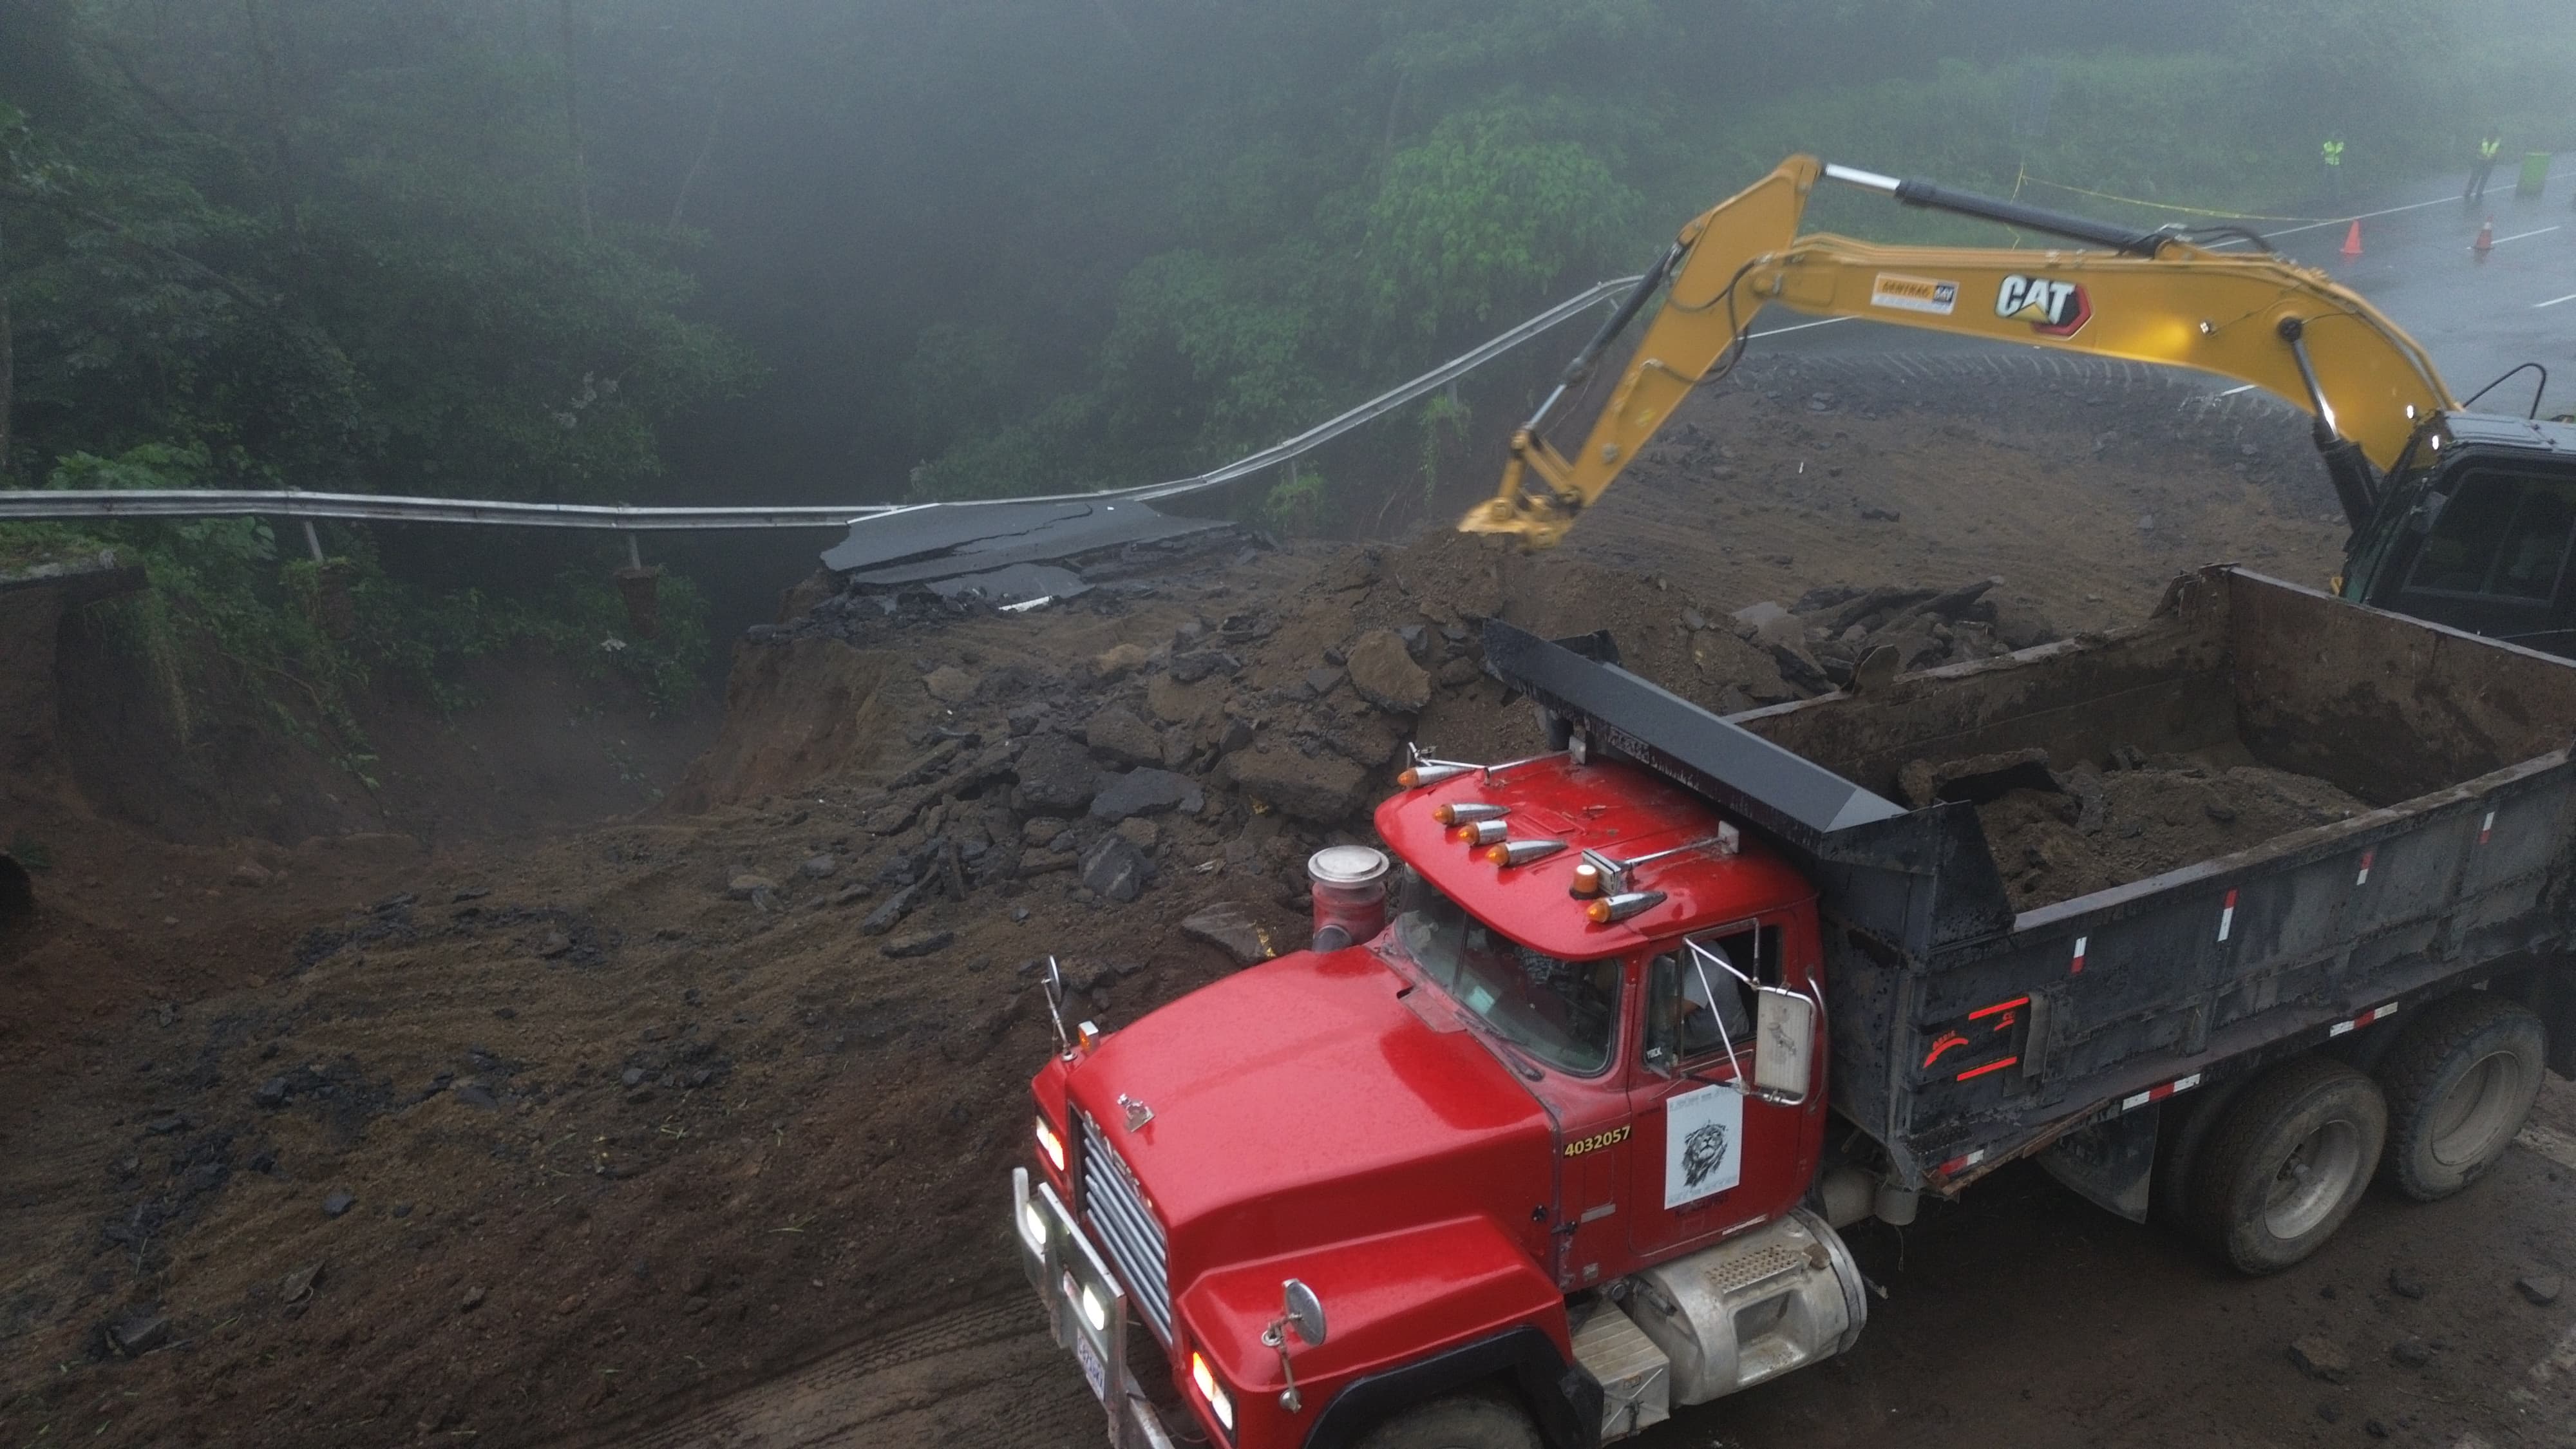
1539,1141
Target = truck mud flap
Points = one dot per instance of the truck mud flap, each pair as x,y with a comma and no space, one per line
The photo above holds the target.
2110,1164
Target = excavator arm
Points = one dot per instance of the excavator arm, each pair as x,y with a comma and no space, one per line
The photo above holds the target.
2139,296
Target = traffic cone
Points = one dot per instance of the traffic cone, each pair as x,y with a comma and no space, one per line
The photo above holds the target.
2352,242
2486,240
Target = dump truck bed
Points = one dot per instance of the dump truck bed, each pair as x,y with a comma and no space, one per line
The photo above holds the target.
1966,1033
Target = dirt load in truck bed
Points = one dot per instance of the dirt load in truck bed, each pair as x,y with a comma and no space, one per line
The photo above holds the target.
2106,828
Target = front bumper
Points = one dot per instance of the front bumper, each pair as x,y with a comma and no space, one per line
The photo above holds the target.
1085,1307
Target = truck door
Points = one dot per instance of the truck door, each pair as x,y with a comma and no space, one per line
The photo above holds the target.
1708,1157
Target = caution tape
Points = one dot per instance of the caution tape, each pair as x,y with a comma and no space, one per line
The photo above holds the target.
2026,179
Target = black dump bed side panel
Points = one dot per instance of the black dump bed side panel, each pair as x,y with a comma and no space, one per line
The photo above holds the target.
1964,1035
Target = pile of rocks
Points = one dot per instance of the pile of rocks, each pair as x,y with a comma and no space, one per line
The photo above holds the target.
1213,754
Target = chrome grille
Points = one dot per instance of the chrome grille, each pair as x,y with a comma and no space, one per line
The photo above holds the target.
1117,1211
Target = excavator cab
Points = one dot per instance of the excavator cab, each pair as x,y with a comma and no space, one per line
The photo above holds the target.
2474,528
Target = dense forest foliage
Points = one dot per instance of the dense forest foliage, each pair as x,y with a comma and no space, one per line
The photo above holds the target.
780,249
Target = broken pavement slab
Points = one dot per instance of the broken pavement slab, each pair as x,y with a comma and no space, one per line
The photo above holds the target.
956,540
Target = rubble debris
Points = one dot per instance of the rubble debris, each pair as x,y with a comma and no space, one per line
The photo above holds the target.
1115,868
1117,733
139,1334
1056,776
1117,662
2321,1358
1383,670
1145,792
1230,928
1324,788
1821,639
298,1285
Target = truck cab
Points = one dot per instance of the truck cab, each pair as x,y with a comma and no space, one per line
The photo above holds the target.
1584,1039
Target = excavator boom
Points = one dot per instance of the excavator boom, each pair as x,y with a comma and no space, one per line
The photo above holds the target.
2143,297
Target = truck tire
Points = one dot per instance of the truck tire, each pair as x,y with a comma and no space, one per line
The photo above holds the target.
1456,1421
2288,1161
2459,1083
2188,1122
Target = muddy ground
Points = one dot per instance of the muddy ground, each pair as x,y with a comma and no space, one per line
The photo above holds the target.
690,1126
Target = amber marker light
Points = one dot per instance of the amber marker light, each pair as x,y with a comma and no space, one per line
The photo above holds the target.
1587,880
1414,777
1453,813
1620,907
1480,832
1522,852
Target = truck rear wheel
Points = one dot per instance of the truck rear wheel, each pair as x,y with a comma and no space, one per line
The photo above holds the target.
2288,1162
1459,1421
2459,1083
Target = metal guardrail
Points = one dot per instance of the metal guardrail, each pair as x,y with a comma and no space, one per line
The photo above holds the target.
31,504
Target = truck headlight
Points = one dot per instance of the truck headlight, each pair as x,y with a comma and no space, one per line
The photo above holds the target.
1204,1377
1051,1145
1094,1312
1033,1226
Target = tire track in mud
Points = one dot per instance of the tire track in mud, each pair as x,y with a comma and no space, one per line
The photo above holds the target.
988,1373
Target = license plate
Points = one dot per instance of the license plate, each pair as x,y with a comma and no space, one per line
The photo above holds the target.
1092,1369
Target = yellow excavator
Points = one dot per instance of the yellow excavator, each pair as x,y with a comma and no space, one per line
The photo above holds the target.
2464,518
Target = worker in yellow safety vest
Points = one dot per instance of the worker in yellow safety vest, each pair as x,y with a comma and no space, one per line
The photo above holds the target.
2334,168
2483,167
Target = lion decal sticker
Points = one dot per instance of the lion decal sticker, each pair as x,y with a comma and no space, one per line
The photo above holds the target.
1703,1153
1701,1133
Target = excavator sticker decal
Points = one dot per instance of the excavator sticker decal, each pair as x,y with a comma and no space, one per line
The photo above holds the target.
1701,1131
2052,308
1914,294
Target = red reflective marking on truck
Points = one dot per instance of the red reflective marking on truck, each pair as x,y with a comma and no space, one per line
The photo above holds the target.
1998,1006
2158,1094
2227,916
2376,1013
2366,857
1943,1044
2077,969
2486,827
1988,1067
1961,1164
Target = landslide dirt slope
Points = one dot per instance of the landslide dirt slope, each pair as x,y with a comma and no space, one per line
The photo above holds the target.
645,1116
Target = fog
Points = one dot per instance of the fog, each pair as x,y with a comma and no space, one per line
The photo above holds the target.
796,251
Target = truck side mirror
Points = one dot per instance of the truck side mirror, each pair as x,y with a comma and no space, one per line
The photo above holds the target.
1305,1317
1784,1046
1305,1312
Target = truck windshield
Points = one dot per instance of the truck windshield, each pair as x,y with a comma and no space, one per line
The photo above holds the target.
1562,1012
